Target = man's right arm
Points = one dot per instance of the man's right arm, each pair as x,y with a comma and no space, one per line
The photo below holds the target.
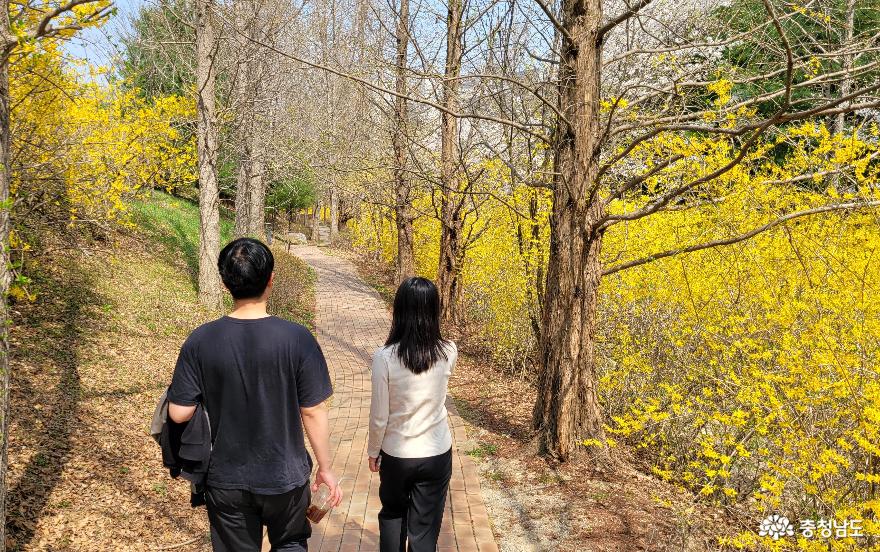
313,387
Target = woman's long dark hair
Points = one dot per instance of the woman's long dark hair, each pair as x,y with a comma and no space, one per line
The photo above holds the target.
415,325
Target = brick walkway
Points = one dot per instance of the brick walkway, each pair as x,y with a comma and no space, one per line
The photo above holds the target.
352,322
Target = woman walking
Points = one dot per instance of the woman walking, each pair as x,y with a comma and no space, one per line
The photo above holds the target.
410,443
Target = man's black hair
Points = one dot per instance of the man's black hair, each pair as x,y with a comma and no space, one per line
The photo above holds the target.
245,266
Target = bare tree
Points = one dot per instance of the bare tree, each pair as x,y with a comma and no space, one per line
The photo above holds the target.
846,84
245,21
586,182
316,220
848,58
403,214
451,203
209,194
253,101
567,407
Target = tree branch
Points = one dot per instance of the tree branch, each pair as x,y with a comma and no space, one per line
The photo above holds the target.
630,12
43,27
553,19
637,180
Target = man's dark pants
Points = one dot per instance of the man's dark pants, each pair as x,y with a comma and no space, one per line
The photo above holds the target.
413,495
237,519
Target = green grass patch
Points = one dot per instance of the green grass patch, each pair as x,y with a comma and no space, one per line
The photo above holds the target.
482,450
174,223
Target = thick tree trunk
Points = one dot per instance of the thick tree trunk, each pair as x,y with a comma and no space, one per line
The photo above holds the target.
5,275
402,205
210,293
567,409
451,223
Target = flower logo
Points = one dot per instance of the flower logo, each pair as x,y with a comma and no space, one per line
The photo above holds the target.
776,526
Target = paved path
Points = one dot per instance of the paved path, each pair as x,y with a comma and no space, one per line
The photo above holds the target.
352,322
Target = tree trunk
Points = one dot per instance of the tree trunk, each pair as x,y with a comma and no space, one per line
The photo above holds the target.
846,83
244,120
538,260
5,275
848,58
402,205
257,187
405,258
334,212
316,222
250,196
450,260
242,197
259,128
209,194
451,223
567,409
533,265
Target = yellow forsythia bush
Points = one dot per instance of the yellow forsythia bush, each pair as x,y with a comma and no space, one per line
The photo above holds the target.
750,373
81,149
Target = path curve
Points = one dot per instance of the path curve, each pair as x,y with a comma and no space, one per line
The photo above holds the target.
351,322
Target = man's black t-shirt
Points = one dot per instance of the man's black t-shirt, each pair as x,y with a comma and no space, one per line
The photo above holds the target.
252,377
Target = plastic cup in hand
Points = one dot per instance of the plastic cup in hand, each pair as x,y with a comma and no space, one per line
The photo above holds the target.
320,504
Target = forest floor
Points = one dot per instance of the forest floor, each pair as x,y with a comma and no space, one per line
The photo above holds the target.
90,357
537,505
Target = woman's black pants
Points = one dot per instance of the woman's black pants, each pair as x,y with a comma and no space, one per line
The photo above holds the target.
413,495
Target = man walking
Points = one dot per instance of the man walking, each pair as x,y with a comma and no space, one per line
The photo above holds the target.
261,379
